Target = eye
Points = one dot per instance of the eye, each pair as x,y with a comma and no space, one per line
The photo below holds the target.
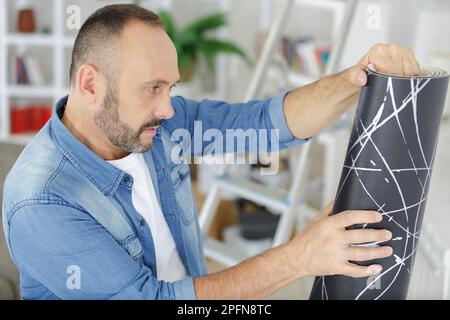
153,89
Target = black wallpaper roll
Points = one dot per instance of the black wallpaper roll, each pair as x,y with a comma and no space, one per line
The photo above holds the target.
388,168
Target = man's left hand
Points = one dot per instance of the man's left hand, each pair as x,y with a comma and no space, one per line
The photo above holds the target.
392,59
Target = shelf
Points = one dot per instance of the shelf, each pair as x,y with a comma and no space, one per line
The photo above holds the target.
37,39
229,256
256,192
68,41
30,91
30,39
52,50
333,5
17,139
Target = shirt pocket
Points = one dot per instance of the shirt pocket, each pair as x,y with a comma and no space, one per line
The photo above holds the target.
181,180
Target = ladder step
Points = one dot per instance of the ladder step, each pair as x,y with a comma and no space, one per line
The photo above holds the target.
331,5
266,196
218,251
230,255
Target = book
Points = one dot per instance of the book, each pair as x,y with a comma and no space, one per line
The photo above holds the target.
34,71
22,77
303,55
26,70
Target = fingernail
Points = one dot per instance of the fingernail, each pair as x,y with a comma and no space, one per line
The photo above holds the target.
361,79
373,270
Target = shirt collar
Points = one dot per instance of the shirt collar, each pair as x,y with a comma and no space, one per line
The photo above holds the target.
102,174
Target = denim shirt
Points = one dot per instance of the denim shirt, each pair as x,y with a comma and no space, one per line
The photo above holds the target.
68,217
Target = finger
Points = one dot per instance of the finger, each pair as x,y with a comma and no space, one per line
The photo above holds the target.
351,217
417,66
367,235
386,65
387,59
358,76
408,67
410,64
329,208
380,58
326,212
405,62
355,271
368,253
366,59
396,56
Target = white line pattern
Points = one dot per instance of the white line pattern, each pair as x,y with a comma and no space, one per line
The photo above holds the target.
394,177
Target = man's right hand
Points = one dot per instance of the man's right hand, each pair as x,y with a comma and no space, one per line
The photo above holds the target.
323,247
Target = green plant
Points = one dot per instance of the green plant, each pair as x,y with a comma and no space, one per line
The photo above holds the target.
192,42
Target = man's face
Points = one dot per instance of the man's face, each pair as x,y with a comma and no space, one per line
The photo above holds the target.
138,98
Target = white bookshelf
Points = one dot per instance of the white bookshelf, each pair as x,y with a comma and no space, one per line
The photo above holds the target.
335,7
56,42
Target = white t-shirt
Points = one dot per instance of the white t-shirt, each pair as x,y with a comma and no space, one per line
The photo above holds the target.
143,195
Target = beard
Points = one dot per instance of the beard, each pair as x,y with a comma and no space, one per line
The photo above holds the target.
120,134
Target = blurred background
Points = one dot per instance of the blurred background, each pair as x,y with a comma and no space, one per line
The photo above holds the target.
236,54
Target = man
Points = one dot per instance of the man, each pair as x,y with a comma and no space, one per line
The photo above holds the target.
96,208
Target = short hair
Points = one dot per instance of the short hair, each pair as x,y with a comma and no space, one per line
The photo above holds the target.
94,44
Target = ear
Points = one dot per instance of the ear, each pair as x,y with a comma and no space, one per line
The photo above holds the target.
89,82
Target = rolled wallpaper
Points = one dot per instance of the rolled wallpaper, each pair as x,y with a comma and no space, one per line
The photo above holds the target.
388,168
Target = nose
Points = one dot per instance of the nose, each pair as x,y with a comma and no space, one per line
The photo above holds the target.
164,110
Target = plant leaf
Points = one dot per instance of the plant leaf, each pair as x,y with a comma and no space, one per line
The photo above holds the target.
169,24
191,42
211,47
211,22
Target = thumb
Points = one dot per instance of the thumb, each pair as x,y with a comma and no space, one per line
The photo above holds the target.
329,209
357,75
325,213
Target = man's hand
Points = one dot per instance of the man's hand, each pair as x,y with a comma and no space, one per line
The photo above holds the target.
390,58
312,108
324,246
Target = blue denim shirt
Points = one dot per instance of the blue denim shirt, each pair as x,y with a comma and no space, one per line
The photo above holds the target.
68,217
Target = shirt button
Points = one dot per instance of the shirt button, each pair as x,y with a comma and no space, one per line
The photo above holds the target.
128,180
180,174
142,222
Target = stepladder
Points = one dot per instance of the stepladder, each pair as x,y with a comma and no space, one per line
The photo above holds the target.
289,204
